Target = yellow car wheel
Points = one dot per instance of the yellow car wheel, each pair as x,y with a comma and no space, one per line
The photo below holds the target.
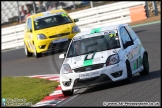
27,53
37,55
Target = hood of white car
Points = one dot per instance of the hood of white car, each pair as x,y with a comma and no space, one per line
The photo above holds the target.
90,59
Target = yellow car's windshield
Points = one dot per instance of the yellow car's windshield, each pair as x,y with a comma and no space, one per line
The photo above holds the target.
50,21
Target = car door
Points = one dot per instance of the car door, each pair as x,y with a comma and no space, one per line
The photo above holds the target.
127,44
136,51
29,34
26,37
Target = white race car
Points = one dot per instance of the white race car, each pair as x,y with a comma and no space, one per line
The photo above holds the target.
102,55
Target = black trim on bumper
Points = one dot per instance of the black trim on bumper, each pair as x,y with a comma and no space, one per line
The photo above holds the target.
93,67
82,83
59,35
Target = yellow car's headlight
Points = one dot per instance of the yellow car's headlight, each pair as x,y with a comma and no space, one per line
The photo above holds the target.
41,36
75,29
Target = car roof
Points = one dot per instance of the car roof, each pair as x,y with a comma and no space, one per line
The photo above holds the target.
46,12
105,28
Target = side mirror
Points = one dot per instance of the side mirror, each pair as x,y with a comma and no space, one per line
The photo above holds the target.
116,38
76,20
61,56
29,30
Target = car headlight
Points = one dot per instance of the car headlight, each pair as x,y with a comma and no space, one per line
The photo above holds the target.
75,29
113,59
41,36
66,69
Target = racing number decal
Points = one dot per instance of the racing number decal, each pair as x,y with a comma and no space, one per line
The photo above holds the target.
88,59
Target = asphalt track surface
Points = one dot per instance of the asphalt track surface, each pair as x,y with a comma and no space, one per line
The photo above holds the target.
142,89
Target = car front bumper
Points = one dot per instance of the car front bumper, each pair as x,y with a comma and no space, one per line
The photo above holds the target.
48,45
103,78
106,76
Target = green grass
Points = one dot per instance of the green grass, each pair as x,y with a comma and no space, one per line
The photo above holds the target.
32,89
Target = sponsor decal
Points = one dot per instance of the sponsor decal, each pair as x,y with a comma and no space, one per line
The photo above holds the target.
89,75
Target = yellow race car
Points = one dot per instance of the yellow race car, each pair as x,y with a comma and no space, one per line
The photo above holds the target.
48,31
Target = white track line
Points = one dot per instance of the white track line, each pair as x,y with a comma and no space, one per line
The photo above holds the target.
44,75
67,100
56,92
54,79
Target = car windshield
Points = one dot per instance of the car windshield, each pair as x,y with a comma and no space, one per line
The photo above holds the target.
51,21
93,44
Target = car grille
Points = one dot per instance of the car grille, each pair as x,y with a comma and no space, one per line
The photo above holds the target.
59,35
92,67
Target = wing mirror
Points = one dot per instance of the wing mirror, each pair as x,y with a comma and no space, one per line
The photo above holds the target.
29,30
61,56
76,20
116,38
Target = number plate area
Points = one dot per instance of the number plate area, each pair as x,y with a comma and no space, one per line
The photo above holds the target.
60,40
89,75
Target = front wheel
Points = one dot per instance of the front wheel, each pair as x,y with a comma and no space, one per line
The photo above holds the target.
129,73
37,55
68,93
27,53
145,66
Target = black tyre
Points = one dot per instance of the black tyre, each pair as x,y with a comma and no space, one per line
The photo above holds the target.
27,53
67,93
37,55
129,73
145,65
